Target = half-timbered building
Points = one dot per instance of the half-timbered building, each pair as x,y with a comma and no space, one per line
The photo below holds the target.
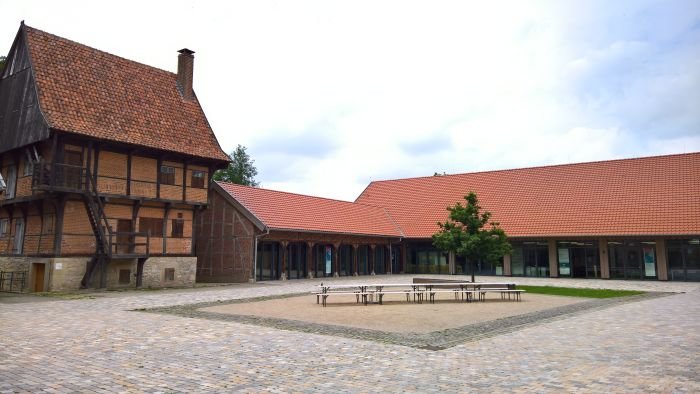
105,164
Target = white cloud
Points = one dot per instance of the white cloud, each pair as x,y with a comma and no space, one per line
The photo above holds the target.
329,95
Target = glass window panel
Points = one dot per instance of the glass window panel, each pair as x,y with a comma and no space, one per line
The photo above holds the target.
542,262
676,270
692,261
516,261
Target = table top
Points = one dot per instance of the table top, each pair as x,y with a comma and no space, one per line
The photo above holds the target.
348,286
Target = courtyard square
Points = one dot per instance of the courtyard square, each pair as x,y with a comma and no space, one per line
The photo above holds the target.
102,344
395,315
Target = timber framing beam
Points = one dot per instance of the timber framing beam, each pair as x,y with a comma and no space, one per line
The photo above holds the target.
166,215
59,208
129,158
158,168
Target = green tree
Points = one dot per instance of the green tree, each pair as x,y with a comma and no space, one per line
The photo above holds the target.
241,170
468,233
2,63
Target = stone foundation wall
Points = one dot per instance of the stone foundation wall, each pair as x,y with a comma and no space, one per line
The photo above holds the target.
113,273
13,264
16,265
66,273
154,271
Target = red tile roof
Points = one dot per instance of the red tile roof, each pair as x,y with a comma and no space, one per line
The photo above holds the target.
86,91
297,212
642,196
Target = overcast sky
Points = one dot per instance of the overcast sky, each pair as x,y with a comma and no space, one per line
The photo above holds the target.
330,95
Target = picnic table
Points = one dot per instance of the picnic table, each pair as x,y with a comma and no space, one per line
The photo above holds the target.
368,291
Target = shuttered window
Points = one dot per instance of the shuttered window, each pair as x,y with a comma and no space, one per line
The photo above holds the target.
178,226
198,179
167,175
154,225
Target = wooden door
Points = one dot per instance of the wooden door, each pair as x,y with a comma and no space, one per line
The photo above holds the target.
124,239
73,169
38,285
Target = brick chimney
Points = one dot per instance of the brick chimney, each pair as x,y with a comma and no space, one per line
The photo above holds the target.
185,69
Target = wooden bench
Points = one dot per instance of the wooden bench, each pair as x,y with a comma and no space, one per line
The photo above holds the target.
467,295
503,291
417,294
357,294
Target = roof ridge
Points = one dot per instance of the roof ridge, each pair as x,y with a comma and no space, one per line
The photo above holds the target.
296,194
532,168
99,50
391,218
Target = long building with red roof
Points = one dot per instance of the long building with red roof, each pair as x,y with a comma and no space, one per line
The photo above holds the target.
621,219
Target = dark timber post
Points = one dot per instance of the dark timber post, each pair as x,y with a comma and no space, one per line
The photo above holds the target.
159,164
184,183
283,274
336,259
134,217
139,272
128,172
354,259
310,269
165,227
60,205
373,257
387,260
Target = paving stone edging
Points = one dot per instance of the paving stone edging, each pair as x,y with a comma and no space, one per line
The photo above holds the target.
435,340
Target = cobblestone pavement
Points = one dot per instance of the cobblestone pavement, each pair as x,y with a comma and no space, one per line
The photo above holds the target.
99,345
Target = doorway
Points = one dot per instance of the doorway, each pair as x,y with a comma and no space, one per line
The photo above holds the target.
632,260
578,259
124,238
38,270
72,169
296,261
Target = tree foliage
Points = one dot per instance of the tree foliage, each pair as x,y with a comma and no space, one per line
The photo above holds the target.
2,62
241,170
469,233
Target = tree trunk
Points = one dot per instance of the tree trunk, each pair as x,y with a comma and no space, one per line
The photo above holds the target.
471,265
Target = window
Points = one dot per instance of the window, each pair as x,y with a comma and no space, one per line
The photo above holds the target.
167,175
152,225
28,167
178,226
169,274
4,227
198,179
124,277
11,182
19,236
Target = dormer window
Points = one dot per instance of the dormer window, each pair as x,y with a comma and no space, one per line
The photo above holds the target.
167,175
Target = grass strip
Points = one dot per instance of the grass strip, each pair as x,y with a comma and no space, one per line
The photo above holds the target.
579,292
